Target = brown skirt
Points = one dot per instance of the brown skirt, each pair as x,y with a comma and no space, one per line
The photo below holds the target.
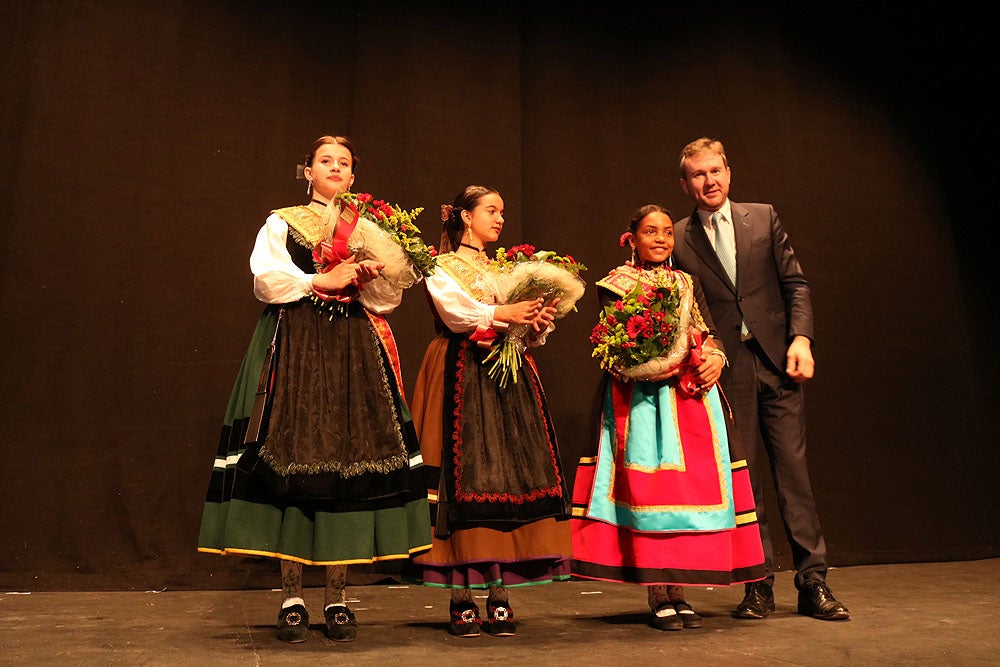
504,515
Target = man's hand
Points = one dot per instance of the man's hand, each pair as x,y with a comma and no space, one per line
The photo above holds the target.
801,366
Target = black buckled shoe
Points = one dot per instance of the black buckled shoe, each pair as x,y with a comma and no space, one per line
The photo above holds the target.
816,600
465,619
758,602
500,619
688,616
293,624
666,618
341,626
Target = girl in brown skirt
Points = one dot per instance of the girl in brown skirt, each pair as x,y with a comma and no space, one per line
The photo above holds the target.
498,496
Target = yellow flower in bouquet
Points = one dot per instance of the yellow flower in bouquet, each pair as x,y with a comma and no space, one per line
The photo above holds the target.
524,273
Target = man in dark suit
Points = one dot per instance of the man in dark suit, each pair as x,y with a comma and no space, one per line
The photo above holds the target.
759,299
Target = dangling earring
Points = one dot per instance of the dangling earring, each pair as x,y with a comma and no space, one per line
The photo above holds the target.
633,257
309,186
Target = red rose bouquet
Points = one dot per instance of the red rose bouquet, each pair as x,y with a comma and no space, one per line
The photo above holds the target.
649,333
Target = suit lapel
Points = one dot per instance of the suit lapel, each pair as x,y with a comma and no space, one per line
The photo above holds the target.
742,230
697,239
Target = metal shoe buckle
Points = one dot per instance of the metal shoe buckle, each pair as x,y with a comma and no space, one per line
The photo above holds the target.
468,616
293,618
341,618
501,613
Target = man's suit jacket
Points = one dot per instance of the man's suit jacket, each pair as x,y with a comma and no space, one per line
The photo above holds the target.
773,295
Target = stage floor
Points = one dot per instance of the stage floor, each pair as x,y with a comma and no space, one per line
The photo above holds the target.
940,613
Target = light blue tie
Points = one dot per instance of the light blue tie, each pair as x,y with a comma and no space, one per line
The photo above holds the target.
724,248
727,255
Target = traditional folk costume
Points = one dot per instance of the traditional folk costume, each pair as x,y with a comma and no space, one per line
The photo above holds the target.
665,499
318,460
496,485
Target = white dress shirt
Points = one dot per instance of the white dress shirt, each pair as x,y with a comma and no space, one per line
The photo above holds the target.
277,279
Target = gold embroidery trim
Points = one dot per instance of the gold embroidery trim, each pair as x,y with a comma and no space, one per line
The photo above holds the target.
623,279
305,225
468,275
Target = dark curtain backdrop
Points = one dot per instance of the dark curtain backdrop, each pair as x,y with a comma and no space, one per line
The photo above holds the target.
143,144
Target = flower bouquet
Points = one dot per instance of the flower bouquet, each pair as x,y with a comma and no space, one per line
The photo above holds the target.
388,233
370,228
524,273
649,332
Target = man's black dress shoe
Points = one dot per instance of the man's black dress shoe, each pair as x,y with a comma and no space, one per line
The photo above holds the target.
816,600
758,601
